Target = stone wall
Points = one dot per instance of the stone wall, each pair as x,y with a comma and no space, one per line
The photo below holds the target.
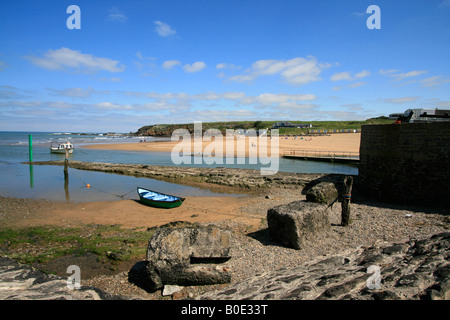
406,163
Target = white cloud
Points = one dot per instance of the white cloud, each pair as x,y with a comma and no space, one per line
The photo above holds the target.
195,67
140,56
401,100
296,71
443,104
341,76
110,79
347,76
116,15
356,84
227,66
163,29
3,65
242,78
210,95
169,64
145,64
10,92
76,92
267,99
111,106
437,103
410,74
233,95
434,81
277,100
362,74
390,71
181,107
64,58
353,106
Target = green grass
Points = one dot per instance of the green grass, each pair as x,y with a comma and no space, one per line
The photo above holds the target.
222,126
45,243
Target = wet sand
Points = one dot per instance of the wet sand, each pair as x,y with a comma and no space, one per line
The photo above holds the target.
245,146
127,213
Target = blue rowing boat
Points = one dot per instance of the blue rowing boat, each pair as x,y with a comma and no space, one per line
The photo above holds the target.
158,199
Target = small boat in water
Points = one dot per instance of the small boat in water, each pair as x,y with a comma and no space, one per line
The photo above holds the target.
61,147
159,200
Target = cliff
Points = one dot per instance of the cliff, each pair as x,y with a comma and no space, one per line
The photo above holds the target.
165,130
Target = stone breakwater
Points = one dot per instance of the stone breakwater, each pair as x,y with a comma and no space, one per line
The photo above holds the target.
245,178
410,270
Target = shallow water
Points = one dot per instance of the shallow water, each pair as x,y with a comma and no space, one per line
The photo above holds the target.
47,182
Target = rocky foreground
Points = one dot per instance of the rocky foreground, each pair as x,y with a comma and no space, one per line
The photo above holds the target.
411,270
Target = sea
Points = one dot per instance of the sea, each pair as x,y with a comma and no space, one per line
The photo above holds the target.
21,180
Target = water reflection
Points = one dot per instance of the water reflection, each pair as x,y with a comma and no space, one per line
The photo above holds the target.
66,183
31,176
48,182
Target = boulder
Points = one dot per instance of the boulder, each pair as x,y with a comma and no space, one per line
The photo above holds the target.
188,256
323,192
292,223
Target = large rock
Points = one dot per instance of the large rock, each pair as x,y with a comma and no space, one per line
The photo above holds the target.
188,256
297,221
323,192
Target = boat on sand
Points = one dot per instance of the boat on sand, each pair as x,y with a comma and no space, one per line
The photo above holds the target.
158,199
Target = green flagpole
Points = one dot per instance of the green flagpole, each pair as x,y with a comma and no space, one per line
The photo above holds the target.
30,147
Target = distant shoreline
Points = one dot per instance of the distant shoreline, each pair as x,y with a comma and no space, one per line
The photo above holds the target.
342,142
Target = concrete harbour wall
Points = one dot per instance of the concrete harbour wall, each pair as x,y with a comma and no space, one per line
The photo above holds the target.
408,163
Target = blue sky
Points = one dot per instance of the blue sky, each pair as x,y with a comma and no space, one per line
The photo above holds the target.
136,63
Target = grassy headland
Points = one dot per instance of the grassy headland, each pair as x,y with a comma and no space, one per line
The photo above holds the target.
167,129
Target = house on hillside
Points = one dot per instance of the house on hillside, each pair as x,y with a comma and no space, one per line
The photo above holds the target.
421,115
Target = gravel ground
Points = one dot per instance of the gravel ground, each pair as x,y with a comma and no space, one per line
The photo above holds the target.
253,252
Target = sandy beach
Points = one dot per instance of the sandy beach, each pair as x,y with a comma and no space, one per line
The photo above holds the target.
128,213
244,146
